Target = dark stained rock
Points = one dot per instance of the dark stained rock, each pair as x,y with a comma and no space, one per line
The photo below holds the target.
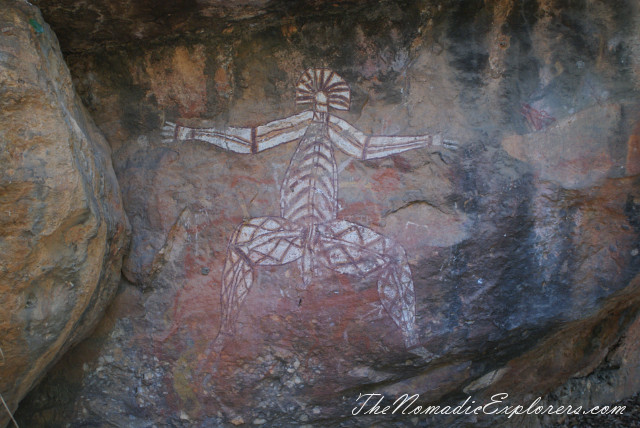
121,22
523,244
63,231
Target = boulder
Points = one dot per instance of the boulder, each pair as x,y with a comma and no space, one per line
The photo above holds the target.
63,230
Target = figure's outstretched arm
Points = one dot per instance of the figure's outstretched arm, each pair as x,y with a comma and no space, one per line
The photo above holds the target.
358,144
243,140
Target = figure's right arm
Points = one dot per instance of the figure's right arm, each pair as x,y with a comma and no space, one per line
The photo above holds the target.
243,140
233,139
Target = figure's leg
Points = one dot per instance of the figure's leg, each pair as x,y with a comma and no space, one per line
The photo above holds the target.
353,249
397,295
257,241
237,278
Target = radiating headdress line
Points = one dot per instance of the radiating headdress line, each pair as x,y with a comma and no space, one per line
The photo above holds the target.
323,88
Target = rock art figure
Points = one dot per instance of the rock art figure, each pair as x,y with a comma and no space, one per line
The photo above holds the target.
308,230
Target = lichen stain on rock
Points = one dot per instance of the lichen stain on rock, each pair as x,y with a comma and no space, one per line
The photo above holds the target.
223,82
184,386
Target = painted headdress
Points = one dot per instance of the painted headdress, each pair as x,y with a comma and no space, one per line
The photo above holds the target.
323,88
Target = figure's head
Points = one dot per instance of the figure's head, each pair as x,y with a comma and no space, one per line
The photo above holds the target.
323,88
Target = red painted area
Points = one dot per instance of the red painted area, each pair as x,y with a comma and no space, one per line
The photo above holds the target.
238,180
365,212
537,119
578,167
386,180
196,301
633,151
401,164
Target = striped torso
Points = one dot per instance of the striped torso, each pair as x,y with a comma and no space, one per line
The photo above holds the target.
309,193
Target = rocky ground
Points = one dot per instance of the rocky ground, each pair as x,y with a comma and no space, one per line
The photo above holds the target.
629,419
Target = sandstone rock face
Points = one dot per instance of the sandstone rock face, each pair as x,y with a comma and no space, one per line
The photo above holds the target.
63,231
523,244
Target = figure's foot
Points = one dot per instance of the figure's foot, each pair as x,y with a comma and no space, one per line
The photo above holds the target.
306,281
411,338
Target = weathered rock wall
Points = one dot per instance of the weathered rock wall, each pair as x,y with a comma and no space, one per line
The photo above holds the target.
523,244
63,230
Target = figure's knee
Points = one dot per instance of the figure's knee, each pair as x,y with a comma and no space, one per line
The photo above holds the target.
257,226
395,251
246,231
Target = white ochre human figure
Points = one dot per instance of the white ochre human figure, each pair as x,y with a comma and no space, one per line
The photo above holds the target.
308,230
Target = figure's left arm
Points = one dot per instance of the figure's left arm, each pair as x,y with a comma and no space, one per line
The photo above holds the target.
360,145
